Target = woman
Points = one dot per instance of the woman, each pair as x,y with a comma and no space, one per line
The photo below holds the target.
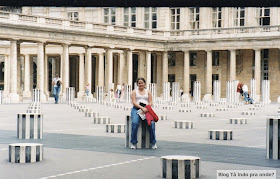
144,97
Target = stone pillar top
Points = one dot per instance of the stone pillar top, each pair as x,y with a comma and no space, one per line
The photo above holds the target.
256,49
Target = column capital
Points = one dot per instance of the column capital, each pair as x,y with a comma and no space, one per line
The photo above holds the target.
186,51
208,50
232,50
257,49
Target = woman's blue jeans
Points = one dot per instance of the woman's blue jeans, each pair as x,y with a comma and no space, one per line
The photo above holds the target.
56,91
246,96
135,119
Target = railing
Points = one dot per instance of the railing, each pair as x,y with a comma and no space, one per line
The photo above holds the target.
62,23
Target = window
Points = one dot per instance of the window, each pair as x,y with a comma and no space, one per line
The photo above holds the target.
194,17
193,59
73,16
171,79
217,17
263,16
264,64
171,58
239,17
175,18
150,18
215,58
11,9
110,15
129,17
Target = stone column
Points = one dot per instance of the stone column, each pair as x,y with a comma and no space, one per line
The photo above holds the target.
186,84
13,72
148,65
7,76
120,67
208,79
164,67
81,76
232,71
258,72
109,68
65,69
40,70
54,71
88,68
129,67
46,77
27,92
101,69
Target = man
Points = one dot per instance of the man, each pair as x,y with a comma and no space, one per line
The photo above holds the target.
57,82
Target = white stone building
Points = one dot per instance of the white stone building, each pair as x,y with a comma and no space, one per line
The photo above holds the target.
116,45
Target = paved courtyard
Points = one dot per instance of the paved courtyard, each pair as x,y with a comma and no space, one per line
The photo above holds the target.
75,147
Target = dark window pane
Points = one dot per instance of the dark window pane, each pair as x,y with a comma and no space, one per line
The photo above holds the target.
266,12
133,24
133,18
242,14
178,11
154,25
173,11
241,22
178,18
220,15
154,16
220,24
266,21
113,18
178,26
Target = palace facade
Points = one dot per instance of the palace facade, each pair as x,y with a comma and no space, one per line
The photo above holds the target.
100,46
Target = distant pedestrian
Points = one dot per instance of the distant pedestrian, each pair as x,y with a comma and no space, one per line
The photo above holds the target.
57,82
87,89
181,91
245,93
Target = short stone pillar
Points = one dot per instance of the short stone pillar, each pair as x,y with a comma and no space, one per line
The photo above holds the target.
163,117
153,89
232,94
248,113
183,124
85,110
217,91
91,114
175,92
201,107
185,110
220,134
70,94
29,126
127,93
25,152
266,91
118,105
36,95
99,94
254,108
272,139
186,105
101,120
115,128
33,111
127,108
197,91
180,167
214,104
207,115
166,91
238,121
143,134
253,89
222,109
231,106
167,107
1,97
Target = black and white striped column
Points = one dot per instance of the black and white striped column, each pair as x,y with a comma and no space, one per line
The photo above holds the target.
25,152
180,167
115,128
183,124
220,134
36,95
238,121
1,97
101,120
30,126
143,134
99,94
272,138
70,94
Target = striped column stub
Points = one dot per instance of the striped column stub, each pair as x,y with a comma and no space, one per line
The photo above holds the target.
143,134
163,117
185,110
248,113
214,104
183,124
207,115
33,111
91,114
254,108
220,134
25,152
238,120
180,167
115,128
168,107
201,107
30,126
273,137
185,105
101,120
231,106
222,109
